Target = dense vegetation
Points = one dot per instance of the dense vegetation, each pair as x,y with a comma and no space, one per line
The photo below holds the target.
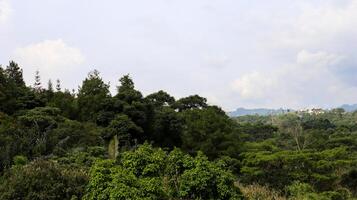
90,144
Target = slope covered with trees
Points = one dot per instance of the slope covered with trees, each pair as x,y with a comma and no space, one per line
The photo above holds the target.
91,144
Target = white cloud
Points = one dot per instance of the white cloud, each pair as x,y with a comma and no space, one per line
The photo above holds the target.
53,58
322,39
319,25
310,81
211,48
49,55
254,85
5,11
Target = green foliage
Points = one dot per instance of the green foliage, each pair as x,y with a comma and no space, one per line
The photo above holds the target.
43,118
42,132
317,123
81,157
50,140
126,90
320,169
305,191
126,130
160,98
211,132
14,95
43,180
167,128
205,180
72,134
66,102
20,160
14,72
149,173
349,180
257,132
30,134
258,192
90,95
190,102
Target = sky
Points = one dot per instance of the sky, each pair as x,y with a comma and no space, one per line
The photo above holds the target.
236,53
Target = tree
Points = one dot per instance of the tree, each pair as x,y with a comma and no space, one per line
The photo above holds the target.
92,92
167,128
49,92
36,125
37,84
291,124
349,180
8,138
14,95
66,102
257,132
50,86
14,73
211,132
3,85
317,123
43,180
124,130
160,98
108,109
190,102
126,90
58,85
300,190
282,168
149,173
134,106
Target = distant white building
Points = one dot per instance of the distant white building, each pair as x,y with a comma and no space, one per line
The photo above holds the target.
312,111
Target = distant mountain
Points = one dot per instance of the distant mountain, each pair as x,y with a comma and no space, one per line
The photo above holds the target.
349,108
266,111
257,111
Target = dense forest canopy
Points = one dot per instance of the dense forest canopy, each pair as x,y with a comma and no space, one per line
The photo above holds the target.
90,144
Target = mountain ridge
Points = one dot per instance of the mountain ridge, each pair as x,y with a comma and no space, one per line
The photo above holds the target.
241,111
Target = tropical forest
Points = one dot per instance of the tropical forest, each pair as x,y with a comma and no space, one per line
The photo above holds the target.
92,144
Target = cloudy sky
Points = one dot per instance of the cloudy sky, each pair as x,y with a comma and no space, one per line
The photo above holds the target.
237,53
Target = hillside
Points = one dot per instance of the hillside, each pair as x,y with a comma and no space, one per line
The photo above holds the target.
89,144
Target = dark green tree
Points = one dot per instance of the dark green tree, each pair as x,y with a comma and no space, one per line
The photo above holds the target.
126,90
126,130
167,129
43,180
90,95
135,107
37,84
14,95
14,73
160,98
211,132
58,85
190,102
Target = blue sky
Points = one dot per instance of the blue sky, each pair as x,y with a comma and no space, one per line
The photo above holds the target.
278,53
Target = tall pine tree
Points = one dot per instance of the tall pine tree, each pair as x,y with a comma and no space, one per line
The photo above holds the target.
58,85
37,84
91,95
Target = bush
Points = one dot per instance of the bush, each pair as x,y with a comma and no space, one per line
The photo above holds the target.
42,180
20,160
304,191
149,173
258,192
